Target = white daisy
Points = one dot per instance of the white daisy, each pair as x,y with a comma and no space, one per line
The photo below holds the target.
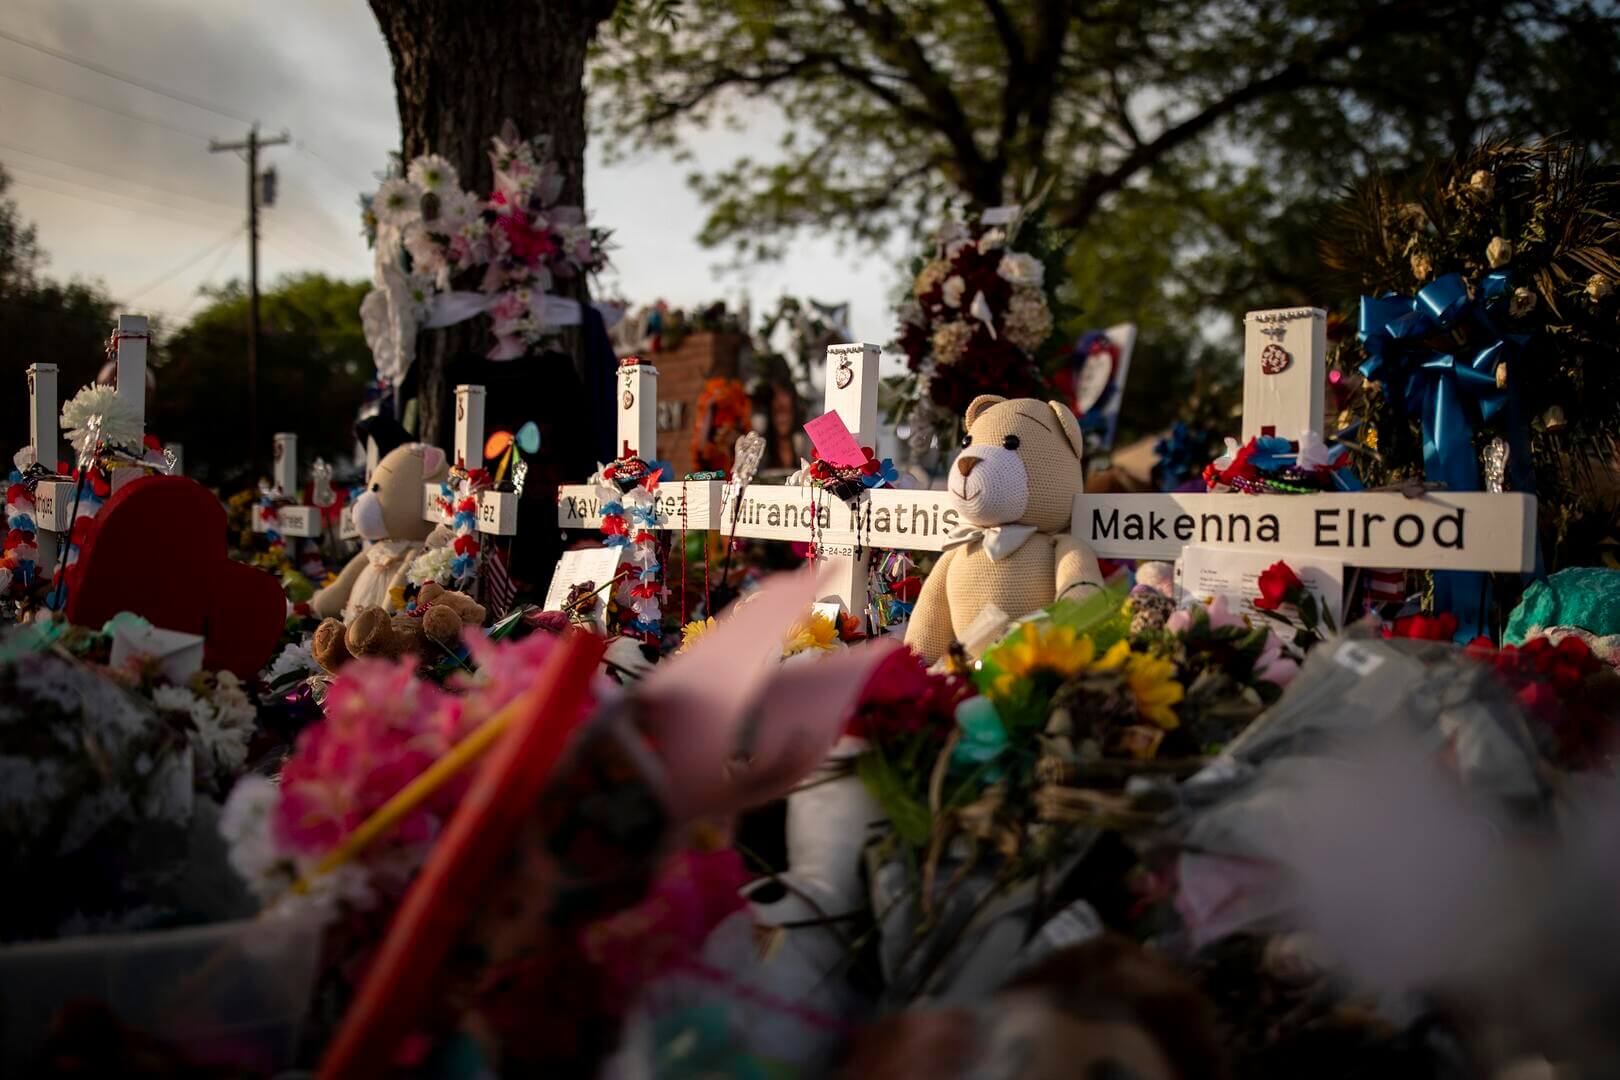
430,172
397,202
456,208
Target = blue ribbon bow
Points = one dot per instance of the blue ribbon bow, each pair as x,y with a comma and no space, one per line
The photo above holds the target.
1417,347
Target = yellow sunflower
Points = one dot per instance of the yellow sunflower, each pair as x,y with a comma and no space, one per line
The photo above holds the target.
1153,685
694,630
1114,658
1041,646
814,631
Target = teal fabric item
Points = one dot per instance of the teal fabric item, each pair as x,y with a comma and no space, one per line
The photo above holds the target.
1583,596
983,737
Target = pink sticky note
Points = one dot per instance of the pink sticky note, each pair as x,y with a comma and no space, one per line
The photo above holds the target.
832,440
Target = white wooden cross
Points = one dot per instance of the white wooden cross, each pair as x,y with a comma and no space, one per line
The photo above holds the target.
54,498
294,519
690,504
1284,384
844,534
497,510
1284,395
43,438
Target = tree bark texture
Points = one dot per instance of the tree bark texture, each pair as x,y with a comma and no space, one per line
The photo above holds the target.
461,68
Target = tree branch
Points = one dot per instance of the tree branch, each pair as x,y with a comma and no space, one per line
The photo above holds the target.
1041,86
1077,210
1011,42
1013,90
1121,112
668,109
895,45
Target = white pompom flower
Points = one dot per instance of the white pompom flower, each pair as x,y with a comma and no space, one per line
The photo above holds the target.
100,409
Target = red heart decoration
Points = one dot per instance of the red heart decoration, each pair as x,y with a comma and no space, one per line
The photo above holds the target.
157,548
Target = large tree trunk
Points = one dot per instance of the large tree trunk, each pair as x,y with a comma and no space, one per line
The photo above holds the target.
460,69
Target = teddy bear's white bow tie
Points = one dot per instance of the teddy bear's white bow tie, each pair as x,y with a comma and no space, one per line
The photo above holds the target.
999,540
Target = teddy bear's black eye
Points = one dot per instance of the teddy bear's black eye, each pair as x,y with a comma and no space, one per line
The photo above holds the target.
376,487
1010,442
967,440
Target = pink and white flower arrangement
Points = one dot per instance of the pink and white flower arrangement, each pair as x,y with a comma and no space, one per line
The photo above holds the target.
383,726
428,232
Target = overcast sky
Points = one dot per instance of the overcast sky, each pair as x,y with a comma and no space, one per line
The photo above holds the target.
142,205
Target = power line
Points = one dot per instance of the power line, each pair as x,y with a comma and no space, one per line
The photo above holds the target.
195,215
132,80
208,277
301,246
113,176
303,148
171,214
108,108
183,267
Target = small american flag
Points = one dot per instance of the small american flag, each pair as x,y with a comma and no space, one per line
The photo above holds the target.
499,589
1386,587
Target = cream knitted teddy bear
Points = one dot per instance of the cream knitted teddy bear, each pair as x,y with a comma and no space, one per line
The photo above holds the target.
389,517
1015,483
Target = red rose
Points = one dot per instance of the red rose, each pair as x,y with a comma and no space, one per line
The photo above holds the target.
1441,627
1566,677
1507,661
1575,652
1539,699
1278,586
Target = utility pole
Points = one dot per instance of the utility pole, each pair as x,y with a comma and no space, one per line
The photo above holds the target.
252,145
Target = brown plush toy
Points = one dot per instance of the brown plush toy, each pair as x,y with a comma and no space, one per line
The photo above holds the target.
445,613
389,516
370,632
1015,484
373,632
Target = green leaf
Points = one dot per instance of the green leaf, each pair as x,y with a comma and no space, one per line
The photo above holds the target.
909,817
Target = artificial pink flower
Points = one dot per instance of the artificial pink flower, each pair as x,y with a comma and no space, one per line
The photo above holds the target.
1220,615
524,241
1273,666
382,728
